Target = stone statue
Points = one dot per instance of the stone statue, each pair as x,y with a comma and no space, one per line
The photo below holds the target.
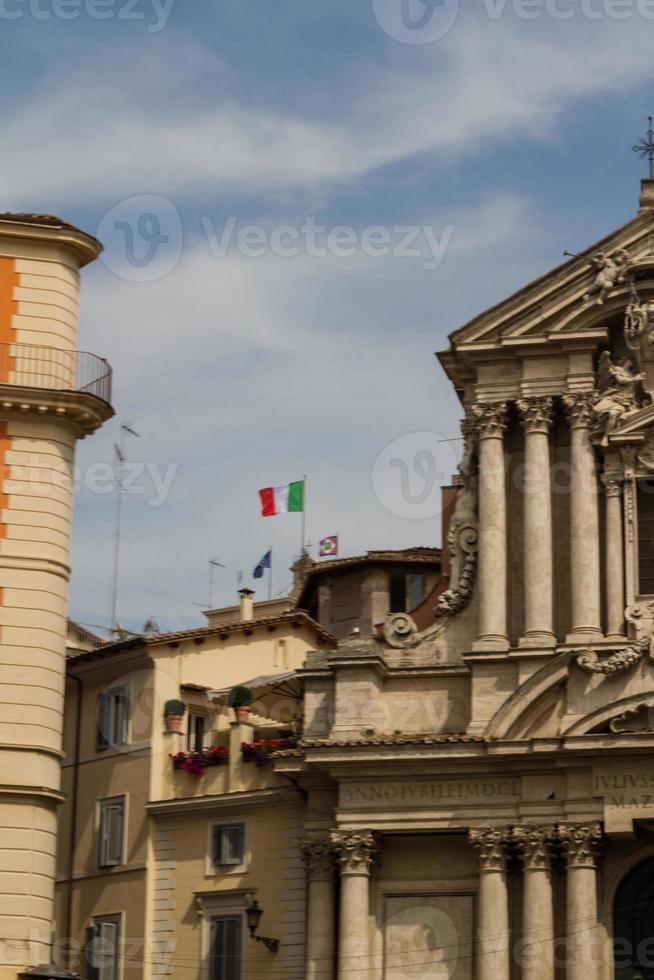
617,394
610,271
639,323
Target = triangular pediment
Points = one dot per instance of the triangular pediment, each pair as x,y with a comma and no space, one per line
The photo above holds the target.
565,301
638,424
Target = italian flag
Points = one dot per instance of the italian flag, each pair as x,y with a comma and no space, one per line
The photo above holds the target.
288,499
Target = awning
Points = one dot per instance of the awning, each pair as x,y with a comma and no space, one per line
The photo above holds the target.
262,685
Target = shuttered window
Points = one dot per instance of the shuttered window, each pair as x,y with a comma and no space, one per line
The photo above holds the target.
112,717
112,819
102,950
196,732
225,957
645,502
228,844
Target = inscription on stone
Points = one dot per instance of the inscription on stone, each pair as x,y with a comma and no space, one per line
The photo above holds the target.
417,793
625,788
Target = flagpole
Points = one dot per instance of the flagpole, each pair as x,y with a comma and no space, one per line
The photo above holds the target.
304,517
270,574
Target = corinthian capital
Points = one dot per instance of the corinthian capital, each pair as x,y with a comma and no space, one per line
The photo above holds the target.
319,857
490,418
612,483
535,413
491,843
534,846
355,850
579,408
580,842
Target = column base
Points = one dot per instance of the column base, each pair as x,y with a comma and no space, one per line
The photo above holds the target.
616,637
584,634
537,640
491,644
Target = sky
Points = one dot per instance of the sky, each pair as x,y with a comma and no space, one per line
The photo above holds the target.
298,203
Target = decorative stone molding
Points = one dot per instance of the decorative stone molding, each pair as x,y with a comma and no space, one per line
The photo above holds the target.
490,419
400,631
638,719
355,850
492,844
580,843
612,481
618,661
534,846
463,536
320,858
535,414
579,408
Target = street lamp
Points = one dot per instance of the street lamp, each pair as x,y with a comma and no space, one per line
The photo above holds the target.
254,913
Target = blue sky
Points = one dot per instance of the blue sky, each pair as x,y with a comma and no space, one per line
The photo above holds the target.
509,137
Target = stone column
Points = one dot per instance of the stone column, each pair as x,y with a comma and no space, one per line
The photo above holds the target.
537,951
536,418
492,575
580,843
492,952
320,860
614,556
584,522
355,851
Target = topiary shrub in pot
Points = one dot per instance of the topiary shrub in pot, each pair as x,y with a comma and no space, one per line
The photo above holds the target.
240,698
174,711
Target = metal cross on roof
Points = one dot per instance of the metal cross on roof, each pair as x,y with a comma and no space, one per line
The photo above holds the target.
646,148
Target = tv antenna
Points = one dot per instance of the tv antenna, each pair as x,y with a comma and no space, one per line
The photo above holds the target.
120,457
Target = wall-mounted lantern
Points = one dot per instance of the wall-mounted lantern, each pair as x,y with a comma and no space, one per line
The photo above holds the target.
254,913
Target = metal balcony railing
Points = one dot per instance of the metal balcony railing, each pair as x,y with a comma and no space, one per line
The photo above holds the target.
30,366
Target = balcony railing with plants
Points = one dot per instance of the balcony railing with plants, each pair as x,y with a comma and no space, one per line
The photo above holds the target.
31,366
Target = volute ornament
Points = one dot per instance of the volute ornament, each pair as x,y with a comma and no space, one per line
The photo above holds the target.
618,661
320,859
490,418
400,631
355,850
534,846
535,413
579,408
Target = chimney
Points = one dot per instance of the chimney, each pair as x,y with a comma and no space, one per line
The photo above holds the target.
247,604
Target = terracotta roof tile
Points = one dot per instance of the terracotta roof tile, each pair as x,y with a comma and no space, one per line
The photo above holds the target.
380,740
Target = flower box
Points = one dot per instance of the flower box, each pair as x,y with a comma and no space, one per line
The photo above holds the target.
196,762
261,751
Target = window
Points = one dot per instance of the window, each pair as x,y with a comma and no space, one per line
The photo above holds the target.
112,821
102,949
225,956
415,588
228,845
645,501
398,592
197,725
113,714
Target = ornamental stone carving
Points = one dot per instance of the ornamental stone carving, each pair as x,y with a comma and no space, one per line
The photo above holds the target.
400,631
619,394
319,858
490,419
462,540
491,844
580,843
579,408
618,661
535,414
638,719
355,850
612,482
610,271
534,846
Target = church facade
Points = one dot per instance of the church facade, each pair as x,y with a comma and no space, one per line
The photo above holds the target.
480,793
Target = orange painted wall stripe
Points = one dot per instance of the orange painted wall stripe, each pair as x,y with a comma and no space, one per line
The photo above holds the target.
5,446
8,309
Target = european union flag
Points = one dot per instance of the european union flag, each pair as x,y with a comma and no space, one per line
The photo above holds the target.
265,563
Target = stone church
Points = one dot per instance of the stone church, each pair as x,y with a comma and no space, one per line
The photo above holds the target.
480,793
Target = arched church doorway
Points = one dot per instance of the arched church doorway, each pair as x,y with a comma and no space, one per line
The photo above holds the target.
633,924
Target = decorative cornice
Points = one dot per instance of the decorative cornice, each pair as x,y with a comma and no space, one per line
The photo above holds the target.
490,419
491,843
579,408
535,414
580,843
355,850
534,845
320,858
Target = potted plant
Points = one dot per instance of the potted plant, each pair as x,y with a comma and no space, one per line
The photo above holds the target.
240,698
174,711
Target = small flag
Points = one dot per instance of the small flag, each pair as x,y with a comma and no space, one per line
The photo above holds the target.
329,546
288,499
265,562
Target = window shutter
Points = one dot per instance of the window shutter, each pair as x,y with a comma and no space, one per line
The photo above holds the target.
107,947
111,834
121,716
225,948
90,968
103,733
216,845
233,842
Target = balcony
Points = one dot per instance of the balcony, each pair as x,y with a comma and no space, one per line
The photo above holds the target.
29,366
68,383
